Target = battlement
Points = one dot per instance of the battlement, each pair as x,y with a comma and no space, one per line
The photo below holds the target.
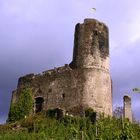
30,77
57,70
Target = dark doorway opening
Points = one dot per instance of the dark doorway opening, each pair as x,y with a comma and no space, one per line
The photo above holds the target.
38,104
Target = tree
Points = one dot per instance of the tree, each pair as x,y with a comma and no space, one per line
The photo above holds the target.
136,90
118,112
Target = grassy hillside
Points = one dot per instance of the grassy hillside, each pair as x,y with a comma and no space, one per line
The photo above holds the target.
69,128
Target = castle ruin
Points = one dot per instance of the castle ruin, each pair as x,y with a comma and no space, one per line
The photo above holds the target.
84,83
127,108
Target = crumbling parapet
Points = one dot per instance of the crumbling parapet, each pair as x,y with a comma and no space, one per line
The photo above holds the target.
127,107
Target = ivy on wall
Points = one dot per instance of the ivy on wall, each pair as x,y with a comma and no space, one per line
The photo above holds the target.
22,107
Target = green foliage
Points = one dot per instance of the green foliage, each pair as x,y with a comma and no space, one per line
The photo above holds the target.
22,107
88,112
135,89
127,131
51,113
70,128
91,114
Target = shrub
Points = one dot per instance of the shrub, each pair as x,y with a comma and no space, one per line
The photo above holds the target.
22,107
71,128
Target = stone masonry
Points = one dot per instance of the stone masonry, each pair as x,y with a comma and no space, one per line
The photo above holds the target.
84,83
127,108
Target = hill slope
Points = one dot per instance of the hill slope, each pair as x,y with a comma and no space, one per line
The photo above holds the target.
69,128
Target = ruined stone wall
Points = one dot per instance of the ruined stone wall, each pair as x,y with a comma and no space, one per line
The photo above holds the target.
85,82
60,88
127,108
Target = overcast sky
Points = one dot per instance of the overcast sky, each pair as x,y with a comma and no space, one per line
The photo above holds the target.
36,35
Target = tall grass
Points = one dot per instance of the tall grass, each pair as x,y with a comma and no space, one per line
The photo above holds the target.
70,128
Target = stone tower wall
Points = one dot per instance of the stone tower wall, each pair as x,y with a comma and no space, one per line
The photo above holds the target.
91,54
91,45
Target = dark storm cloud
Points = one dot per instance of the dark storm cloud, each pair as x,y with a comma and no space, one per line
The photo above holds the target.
30,44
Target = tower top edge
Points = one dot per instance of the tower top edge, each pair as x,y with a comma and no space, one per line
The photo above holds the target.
92,20
126,97
95,22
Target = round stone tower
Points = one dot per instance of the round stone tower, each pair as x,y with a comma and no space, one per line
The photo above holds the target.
91,45
91,56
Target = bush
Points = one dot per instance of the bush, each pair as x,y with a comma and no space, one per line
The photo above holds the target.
91,114
71,128
22,107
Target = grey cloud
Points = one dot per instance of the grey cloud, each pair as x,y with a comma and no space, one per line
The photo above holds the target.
125,74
